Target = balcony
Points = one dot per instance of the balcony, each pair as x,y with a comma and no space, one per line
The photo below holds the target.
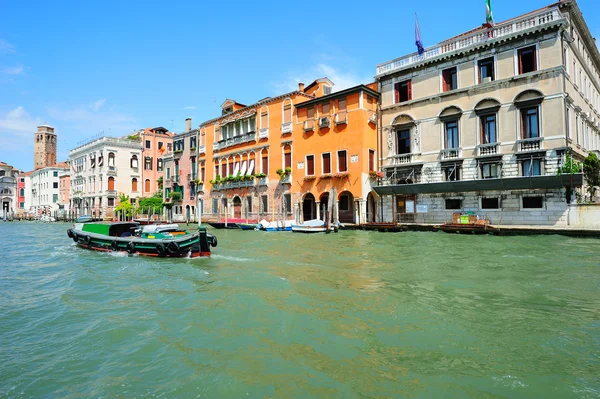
540,20
286,179
111,193
263,133
230,142
401,159
309,125
488,149
112,170
286,128
263,181
215,146
201,149
135,169
324,121
177,154
341,118
532,144
450,153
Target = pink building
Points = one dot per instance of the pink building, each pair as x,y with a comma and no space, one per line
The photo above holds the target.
155,142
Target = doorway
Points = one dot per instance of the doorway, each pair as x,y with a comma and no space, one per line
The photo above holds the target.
309,207
237,207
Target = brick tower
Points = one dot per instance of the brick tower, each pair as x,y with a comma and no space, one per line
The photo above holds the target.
44,147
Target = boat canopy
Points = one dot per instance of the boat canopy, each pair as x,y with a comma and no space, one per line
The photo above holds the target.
509,183
160,228
119,229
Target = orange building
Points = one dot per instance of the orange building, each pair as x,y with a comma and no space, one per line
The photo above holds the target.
155,143
268,160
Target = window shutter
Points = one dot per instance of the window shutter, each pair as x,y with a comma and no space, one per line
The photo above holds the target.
534,59
523,124
396,93
288,160
520,56
409,89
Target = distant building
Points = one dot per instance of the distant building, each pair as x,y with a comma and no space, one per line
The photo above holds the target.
8,190
44,145
483,122
64,191
45,189
20,211
102,170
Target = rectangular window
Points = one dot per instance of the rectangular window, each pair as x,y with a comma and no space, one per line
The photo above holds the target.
403,141
111,202
287,160
265,165
215,205
310,165
55,185
402,91
342,161
148,163
490,171
159,164
55,173
326,158
486,69
451,139
453,203
371,160
490,203
168,173
310,113
532,167
527,60
21,205
326,108
264,120
22,180
449,79
148,144
55,198
488,129
452,173
533,202
264,203
192,142
160,145
529,123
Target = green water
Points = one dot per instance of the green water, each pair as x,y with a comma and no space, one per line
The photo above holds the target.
282,315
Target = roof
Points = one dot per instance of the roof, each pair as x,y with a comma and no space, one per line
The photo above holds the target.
320,80
341,93
62,165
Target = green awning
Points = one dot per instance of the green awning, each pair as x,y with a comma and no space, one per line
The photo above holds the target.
509,183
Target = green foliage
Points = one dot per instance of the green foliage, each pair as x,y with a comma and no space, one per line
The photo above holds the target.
591,172
570,166
160,183
124,206
150,205
175,196
260,175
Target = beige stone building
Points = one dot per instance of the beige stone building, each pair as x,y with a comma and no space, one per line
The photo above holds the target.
482,121
101,171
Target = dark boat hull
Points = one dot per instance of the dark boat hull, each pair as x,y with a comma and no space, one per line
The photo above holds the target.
221,225
188,245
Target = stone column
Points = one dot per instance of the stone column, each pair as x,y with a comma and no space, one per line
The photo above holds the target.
318,205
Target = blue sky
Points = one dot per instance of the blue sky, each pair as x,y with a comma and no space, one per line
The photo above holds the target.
117,66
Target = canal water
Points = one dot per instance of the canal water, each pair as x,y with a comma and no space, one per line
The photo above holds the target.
281,315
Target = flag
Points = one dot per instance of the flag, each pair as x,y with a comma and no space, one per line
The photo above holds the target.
489,18
418,40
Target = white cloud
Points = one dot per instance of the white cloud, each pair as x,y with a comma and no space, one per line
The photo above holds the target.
189,107
17,121
17,70
341,79
95,106
6,47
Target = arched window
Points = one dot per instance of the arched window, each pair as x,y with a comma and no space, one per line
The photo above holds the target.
287,111
111,183
264,154
22,192
134,187
147,185
134,161
111,159
264,118
2,172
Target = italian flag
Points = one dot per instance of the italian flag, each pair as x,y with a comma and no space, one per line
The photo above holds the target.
489,19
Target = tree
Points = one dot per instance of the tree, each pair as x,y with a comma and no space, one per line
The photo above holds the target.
124,206
570,166
151,205
160,183
591,172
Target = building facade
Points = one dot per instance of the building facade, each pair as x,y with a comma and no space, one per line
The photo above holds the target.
483,122
45,189
8,191
44,147
64,191
20,193
155,143
101,171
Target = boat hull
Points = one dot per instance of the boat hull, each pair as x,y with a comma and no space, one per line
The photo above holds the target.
221,225
188,245
308,230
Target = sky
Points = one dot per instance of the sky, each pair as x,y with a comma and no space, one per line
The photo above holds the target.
111,67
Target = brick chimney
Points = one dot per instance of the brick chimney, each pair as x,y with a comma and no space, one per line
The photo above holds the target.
188,124
301,87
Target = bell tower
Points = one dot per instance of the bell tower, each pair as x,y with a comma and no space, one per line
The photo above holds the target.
44,147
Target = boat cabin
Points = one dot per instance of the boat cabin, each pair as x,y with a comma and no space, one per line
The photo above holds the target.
117,229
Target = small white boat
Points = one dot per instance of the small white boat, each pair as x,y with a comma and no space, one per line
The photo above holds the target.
311,226
276,226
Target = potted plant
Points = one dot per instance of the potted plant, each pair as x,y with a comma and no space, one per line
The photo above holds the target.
342,175
175,196
310,178
325,177
374,174
260,175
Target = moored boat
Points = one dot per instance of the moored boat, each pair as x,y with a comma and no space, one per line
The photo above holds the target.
248,226
311,226
165,240
276,226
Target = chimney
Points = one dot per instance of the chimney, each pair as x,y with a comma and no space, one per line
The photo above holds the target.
301,87
188,124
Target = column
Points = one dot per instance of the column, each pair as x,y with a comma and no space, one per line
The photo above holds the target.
318,205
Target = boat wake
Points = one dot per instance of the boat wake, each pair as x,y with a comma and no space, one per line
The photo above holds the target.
233,258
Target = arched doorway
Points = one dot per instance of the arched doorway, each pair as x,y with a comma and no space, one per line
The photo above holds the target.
324,200
309,207
371,208
346,207
237,207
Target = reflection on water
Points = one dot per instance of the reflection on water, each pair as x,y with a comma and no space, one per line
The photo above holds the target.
279,315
